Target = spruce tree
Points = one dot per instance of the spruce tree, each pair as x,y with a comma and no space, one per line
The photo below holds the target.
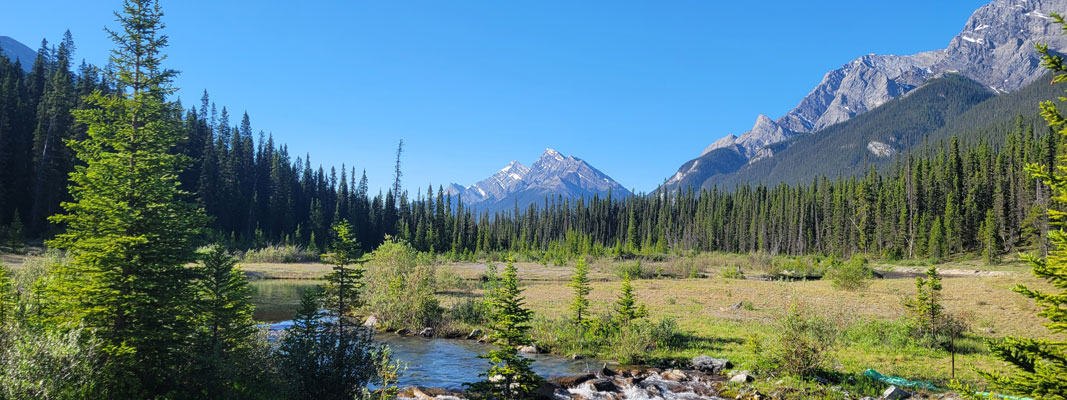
990,239
16,242
925,309
224,305
299,349
936,243
1040,365
350,358
510,376
129,232
580,284
626,308
346,279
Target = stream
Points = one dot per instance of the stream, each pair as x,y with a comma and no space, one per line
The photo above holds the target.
445,363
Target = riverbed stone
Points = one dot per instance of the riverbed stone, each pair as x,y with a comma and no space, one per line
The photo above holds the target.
371,322
573,381
403,331
426,332
895,393
528,349
710,365
741,377
476,333
674,375
545,391
607,372
604,385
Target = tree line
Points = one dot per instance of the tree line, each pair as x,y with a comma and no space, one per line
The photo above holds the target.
952,197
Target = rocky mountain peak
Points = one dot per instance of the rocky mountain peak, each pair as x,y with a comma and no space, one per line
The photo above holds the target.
994,48
552,175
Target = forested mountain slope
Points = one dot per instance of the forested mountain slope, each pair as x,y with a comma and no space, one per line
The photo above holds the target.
942,108
995,48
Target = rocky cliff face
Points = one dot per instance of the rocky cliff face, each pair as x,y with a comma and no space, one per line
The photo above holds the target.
552,175
995,48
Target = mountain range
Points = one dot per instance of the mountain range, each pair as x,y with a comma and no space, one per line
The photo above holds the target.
995,49
552,175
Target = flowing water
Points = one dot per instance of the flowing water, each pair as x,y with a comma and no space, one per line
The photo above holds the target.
446,363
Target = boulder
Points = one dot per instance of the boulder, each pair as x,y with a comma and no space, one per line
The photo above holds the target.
544,391
426,332
528,349
674,375
573,381
710,365
741,377
604,385
895,393
607,372
403,331
428,393
476,333
371,322
577,357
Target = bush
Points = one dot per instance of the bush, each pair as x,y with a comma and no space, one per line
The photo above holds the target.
803,342
399,290
47,365
279,254
852,275
469,311
732,272
633,269
635,342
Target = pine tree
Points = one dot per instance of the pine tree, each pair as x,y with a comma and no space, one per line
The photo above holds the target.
510,376
1041,364
990,239
351,360
299,350
16,242
626,308
936,244
925,308
224,304
580,284
313,247
129,233
346,279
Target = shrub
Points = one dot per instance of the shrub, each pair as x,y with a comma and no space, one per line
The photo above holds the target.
803,342
632,270
279,254
635,342
732,272
852,275
468,311
399,290
49,365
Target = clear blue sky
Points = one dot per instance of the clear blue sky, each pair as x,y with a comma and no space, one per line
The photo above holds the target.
634,87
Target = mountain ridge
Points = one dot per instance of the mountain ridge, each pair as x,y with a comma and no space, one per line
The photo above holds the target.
994,48
551,175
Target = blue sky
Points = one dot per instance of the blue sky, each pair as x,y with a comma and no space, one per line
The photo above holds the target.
634,87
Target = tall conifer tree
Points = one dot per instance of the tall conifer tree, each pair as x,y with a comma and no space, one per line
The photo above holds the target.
129,232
